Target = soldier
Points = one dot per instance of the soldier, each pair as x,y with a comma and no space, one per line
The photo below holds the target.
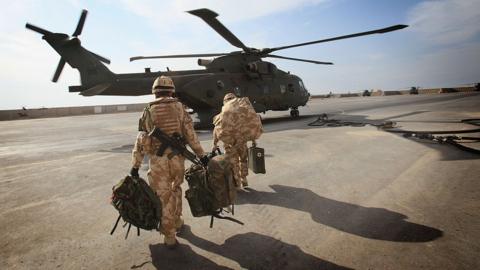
234,142
165,175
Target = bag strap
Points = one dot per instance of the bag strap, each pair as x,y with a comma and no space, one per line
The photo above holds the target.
217,215
116,223
128,230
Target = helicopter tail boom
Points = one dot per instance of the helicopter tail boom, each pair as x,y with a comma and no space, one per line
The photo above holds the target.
92,71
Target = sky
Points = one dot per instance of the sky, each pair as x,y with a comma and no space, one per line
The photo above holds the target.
441,47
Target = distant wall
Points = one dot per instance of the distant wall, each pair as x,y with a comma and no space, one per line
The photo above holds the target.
402,92
103,109
68,111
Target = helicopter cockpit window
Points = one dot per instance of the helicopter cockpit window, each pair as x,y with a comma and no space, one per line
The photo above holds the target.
302,87
291,88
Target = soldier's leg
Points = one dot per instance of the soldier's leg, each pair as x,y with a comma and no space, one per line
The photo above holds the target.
243,163
231,153
177,171
161,181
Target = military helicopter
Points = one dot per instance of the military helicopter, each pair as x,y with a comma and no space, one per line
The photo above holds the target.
243,72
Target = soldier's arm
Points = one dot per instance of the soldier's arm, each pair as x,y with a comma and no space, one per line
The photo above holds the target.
190,135
215,138
140,149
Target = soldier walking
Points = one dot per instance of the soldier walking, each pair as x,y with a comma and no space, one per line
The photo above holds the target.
235,128
165,175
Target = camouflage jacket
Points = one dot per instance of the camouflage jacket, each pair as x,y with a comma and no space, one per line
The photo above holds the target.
170,116
237,123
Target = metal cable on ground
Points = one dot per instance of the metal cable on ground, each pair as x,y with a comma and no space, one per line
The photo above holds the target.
323,121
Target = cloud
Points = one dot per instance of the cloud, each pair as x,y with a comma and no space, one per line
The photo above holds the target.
231,11
446,21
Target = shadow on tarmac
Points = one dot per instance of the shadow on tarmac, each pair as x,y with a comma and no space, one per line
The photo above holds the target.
182,257
256,251
448,152
368,222
127,148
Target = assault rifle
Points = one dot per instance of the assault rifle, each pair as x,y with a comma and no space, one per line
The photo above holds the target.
175,142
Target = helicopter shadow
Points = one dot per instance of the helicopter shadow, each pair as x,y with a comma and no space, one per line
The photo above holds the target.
367,222
448,152
256,251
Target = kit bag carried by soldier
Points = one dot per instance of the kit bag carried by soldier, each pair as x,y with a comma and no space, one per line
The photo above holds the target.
137,204
211,188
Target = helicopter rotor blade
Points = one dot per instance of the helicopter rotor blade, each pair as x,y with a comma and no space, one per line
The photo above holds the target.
377,31
210,18
59,69
81,23
298,59
176,56
99,57
37,29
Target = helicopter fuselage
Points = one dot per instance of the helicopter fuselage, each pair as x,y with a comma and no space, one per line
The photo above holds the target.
267,87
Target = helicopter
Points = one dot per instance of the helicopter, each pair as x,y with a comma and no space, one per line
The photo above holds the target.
243,72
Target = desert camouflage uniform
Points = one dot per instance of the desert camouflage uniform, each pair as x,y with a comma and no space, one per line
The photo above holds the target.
238,128
165,176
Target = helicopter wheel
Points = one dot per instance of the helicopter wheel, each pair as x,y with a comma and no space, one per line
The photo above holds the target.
294,113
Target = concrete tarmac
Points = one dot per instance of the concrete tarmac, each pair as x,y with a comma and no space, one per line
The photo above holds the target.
332,198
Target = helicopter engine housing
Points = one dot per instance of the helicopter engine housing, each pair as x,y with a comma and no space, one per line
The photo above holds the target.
261,67
204,62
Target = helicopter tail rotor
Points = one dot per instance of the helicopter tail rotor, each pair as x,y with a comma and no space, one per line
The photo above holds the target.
65,44
59,69
81,23
37,29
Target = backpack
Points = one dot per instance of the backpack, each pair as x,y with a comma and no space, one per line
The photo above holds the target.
221,182
210,189
238,119
137,204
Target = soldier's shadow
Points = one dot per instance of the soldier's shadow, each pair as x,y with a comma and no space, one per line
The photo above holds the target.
182,257
256,251
368,222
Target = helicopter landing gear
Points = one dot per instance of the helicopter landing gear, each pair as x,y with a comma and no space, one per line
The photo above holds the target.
294,113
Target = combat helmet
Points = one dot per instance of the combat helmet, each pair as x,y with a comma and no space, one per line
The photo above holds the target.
228,96
163,83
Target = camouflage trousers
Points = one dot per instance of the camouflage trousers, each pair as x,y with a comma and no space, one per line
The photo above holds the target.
238,156
165,177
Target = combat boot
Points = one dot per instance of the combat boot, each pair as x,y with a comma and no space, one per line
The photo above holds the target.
179,224
238,183
170,241
244,182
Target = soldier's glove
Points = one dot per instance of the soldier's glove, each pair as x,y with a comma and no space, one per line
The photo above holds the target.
204,160
134,172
